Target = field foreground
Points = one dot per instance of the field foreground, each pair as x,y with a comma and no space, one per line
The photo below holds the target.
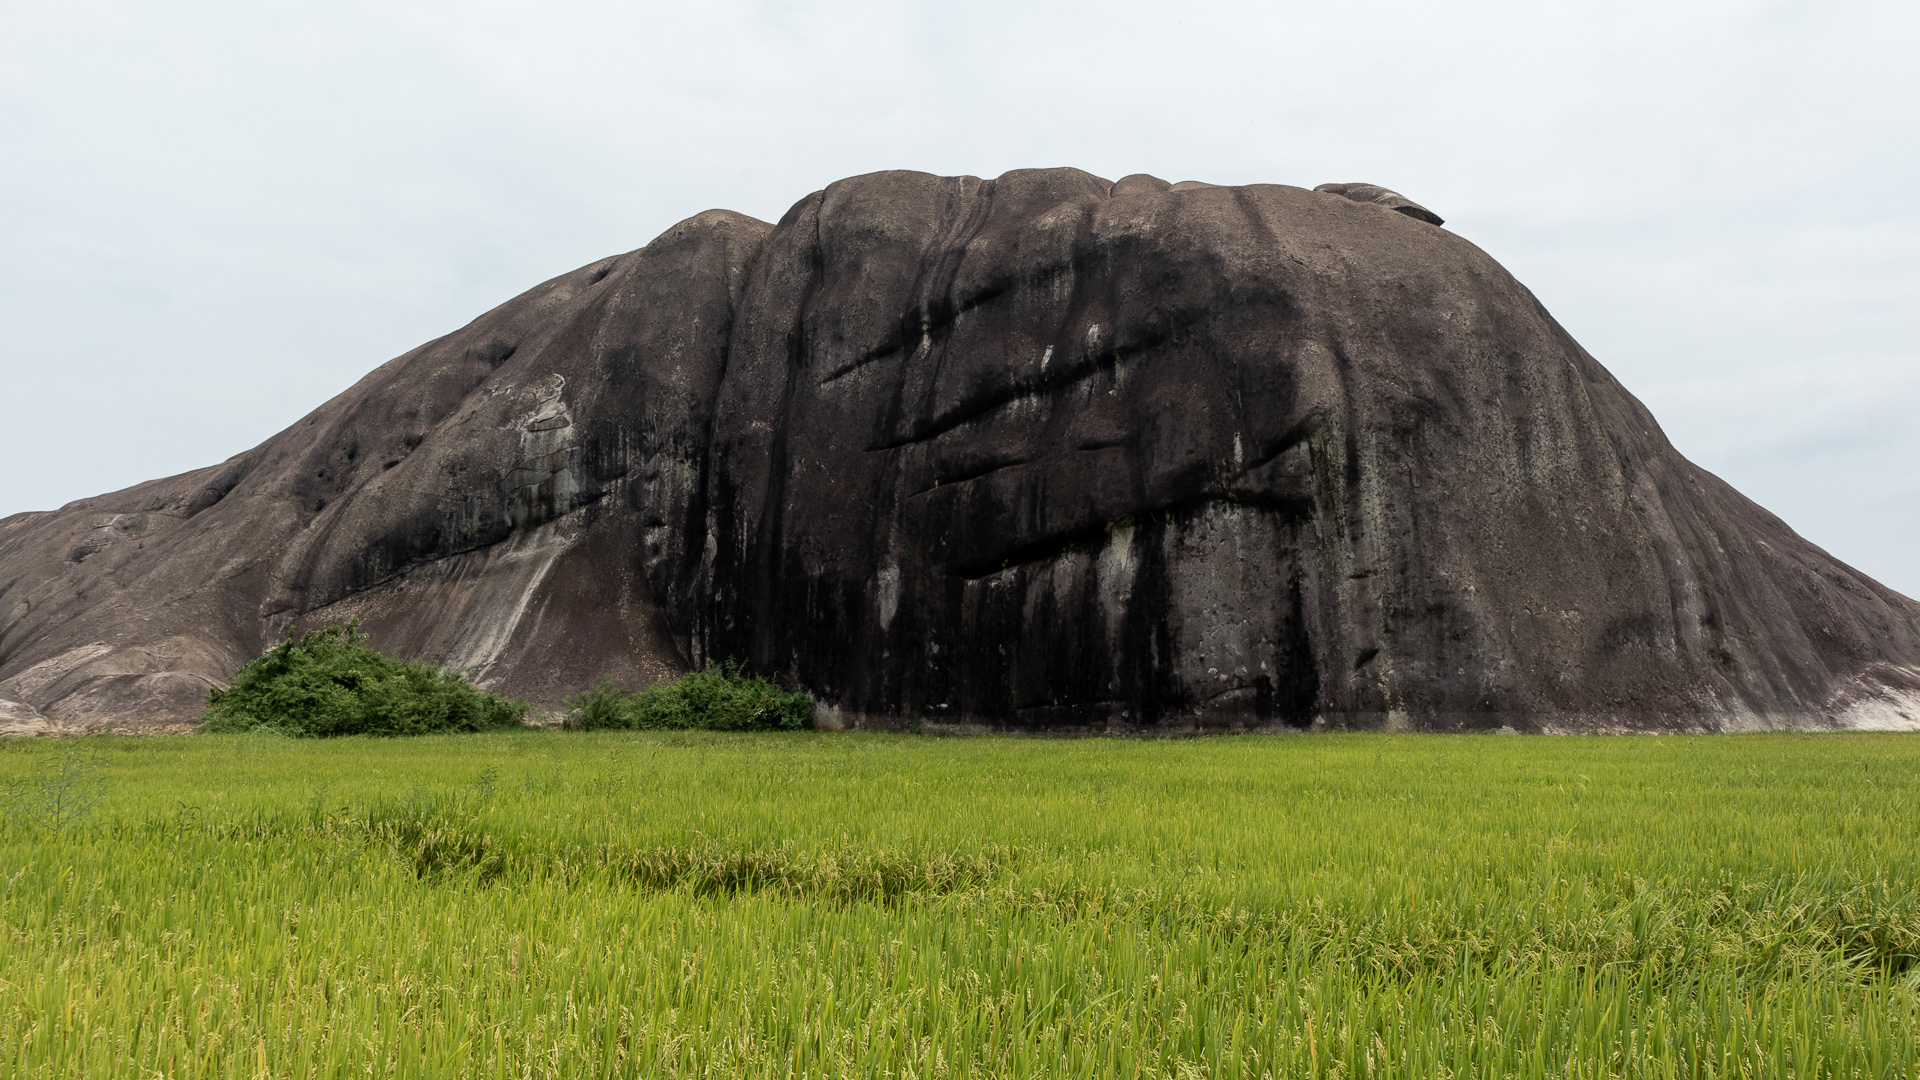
550,904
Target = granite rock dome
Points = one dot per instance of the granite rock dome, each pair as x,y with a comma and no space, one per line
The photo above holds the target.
1043,452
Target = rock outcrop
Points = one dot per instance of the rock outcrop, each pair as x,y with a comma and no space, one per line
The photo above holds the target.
19,719
1379,196
1043,452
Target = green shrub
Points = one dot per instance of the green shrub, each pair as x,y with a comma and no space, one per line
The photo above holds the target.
720,698
328,682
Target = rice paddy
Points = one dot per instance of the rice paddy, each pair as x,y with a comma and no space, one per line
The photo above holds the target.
534,904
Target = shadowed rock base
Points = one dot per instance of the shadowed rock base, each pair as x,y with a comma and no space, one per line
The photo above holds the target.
1037,453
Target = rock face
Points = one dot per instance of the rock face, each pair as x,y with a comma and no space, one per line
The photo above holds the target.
18,719
1043,452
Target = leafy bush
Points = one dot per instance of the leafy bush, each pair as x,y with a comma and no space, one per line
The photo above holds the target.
328,682
720,698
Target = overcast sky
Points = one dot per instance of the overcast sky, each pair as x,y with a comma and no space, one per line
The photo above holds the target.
216,215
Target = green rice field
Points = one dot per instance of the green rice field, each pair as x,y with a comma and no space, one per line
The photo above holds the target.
533,904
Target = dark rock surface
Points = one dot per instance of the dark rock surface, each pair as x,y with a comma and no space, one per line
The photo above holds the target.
1041,452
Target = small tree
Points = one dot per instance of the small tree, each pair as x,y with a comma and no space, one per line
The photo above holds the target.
329,682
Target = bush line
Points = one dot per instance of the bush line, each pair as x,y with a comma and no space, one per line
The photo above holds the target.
330,682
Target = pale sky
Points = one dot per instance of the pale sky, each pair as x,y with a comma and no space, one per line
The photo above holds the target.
215,215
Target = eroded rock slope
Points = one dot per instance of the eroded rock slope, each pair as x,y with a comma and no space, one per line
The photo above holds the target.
1044,452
